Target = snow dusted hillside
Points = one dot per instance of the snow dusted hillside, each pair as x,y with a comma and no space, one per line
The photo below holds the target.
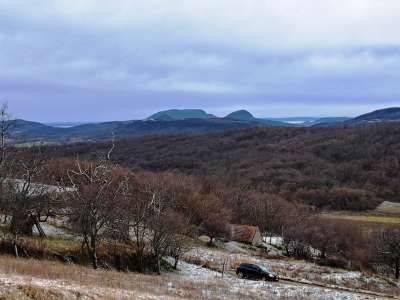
189,282
33,279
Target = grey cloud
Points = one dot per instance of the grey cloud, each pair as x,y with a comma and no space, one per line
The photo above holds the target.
57,55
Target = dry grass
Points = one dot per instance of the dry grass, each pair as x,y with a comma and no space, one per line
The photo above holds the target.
290,268
101,284
44,279
74,273
362,218
62,245
29,292
39,280
387,207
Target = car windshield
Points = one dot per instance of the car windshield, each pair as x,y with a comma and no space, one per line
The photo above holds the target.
264,269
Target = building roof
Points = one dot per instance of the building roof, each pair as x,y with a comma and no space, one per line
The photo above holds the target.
243,233
36,189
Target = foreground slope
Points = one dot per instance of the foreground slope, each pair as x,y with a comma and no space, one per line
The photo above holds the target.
30,279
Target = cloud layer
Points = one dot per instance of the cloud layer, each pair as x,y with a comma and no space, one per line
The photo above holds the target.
101,60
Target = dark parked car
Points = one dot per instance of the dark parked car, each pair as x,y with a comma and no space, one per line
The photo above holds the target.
251,271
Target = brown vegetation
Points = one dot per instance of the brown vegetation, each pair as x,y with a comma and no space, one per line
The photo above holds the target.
270,178
353,168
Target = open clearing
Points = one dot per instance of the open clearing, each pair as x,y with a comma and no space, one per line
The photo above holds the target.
386,213
362,218
387,207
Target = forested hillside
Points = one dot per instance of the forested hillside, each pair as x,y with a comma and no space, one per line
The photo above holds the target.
353,168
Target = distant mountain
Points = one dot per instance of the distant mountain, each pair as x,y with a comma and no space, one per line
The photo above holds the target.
30,132
22,131
21,127
173,122
180,114
386,115
242,115
391,114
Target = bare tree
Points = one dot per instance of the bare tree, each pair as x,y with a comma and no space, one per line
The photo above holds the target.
93,202
294,228
267,211
387,249
4,127
159,221
165,226
178,246
25,201
214,216
153,223
166,223
4,132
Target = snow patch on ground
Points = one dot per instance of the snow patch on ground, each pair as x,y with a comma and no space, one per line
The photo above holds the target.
189,281
53,231
65,289
261,289
297,270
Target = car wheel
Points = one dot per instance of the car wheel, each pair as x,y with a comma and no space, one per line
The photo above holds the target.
240,275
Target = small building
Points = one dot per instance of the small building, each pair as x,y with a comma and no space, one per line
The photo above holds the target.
245,234
32,189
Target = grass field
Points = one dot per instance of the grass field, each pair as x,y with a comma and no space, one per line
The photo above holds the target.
388,220
387,207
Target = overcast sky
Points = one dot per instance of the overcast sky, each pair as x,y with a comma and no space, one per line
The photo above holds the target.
94,60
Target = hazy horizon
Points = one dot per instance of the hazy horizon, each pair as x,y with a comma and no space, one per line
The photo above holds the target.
217,114
284,118
92,60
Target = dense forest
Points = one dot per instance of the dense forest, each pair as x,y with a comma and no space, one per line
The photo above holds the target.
327,168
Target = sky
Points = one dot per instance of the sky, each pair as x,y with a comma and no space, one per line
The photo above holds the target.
98,60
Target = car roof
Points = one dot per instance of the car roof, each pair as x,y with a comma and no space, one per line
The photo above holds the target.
248,265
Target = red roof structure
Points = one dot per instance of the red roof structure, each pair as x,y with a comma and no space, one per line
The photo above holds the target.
246,234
